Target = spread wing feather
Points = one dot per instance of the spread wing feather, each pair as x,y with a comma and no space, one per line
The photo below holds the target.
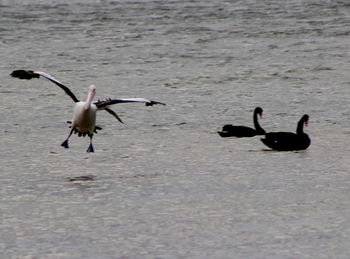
104,104
29,74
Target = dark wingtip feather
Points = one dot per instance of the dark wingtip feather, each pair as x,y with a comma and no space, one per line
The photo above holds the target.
154,102
24,74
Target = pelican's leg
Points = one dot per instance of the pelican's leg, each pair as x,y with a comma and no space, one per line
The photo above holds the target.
90,148
65,143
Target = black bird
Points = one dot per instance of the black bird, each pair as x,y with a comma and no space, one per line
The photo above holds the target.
243,131
289,141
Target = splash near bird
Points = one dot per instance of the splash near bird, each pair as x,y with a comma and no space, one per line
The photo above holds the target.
84,114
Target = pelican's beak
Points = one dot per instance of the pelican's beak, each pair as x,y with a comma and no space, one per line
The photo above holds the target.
91,96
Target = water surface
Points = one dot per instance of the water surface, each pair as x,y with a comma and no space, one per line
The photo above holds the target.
165,185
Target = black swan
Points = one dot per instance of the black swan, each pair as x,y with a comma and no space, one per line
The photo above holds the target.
243,131
288,141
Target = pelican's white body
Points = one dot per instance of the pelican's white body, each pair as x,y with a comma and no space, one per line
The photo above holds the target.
84,115
84,118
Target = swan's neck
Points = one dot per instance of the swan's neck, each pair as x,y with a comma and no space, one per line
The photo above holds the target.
257,126
300,127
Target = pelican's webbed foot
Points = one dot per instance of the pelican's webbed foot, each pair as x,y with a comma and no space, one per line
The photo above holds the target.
90,149
65,144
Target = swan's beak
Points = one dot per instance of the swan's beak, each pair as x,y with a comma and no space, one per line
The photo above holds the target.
261,115
306,123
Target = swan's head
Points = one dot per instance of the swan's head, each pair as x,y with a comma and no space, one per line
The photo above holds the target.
305,119
259,111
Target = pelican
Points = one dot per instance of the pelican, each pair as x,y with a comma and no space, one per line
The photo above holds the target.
84,114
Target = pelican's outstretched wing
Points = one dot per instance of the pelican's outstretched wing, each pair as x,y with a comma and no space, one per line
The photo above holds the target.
114,114
103,104
29,74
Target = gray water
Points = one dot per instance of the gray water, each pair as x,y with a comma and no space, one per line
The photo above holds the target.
165,185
